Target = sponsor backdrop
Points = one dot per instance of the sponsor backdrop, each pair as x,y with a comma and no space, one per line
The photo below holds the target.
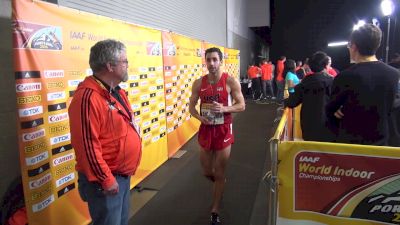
338,183
51,50
182,66
232,59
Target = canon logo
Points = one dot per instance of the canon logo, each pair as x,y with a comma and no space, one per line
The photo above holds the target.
33,135
30,111
63,159
59,139
58,117
39,182
53,73
28,87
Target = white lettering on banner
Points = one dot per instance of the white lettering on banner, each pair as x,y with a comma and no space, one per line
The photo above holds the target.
174,100
143,69
144,83
134,77
153,101
89,72
162,116
153,114
58,117
170,118
159,81
39,182
65,179
135,91
152,75
152,88
42,205
181,66
135,107
308,159
30,111
59,139
144,97
168,85
155,126
74,83
188,118
173,67
37,159
160,93
159,68
170,130
63,159
147,137
33,135
161,105
55,96
53,73
145,109
168,96
174,78
182,87
154,139
146,123
168,74
175,122
26,87
180,123
123,85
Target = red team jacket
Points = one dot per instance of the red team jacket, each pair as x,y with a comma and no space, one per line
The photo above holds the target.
103,133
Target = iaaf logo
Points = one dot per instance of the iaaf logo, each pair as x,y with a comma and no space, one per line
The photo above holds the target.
59,139
55,96
27,87
65,179
58,117
63,159
33,135
53,73
309,159
39,182
37,159
30,111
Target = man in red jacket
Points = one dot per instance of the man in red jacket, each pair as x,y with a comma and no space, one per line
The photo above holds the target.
280,82
104,135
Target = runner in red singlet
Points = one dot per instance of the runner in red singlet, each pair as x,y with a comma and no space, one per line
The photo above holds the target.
220,95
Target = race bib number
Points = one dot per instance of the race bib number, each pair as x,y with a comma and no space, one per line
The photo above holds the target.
215,118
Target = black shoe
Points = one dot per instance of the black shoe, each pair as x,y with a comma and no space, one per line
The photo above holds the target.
214,219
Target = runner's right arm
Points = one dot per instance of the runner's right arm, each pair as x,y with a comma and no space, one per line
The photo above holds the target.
194,98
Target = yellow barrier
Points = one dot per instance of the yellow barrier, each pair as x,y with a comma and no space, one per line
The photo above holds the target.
329,183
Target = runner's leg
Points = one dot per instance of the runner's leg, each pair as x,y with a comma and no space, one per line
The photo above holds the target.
220,163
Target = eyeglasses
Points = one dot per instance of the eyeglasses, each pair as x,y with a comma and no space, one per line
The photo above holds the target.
122,61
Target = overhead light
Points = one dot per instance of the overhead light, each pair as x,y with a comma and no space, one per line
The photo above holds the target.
359,24
387,7
336,44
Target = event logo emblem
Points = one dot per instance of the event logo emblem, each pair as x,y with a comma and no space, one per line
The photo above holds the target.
153,48
36,36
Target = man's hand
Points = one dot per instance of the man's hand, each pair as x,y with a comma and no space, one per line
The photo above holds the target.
217,107
339,114
204,120
113,190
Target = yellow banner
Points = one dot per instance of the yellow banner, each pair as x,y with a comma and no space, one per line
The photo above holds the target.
182,66
232,62
327,183
51,50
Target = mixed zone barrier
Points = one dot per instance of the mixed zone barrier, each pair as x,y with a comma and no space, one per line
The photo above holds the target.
321,183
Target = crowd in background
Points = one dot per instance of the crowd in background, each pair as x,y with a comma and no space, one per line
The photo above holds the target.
359,105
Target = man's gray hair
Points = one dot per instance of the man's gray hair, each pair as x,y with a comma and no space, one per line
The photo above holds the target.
104,52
